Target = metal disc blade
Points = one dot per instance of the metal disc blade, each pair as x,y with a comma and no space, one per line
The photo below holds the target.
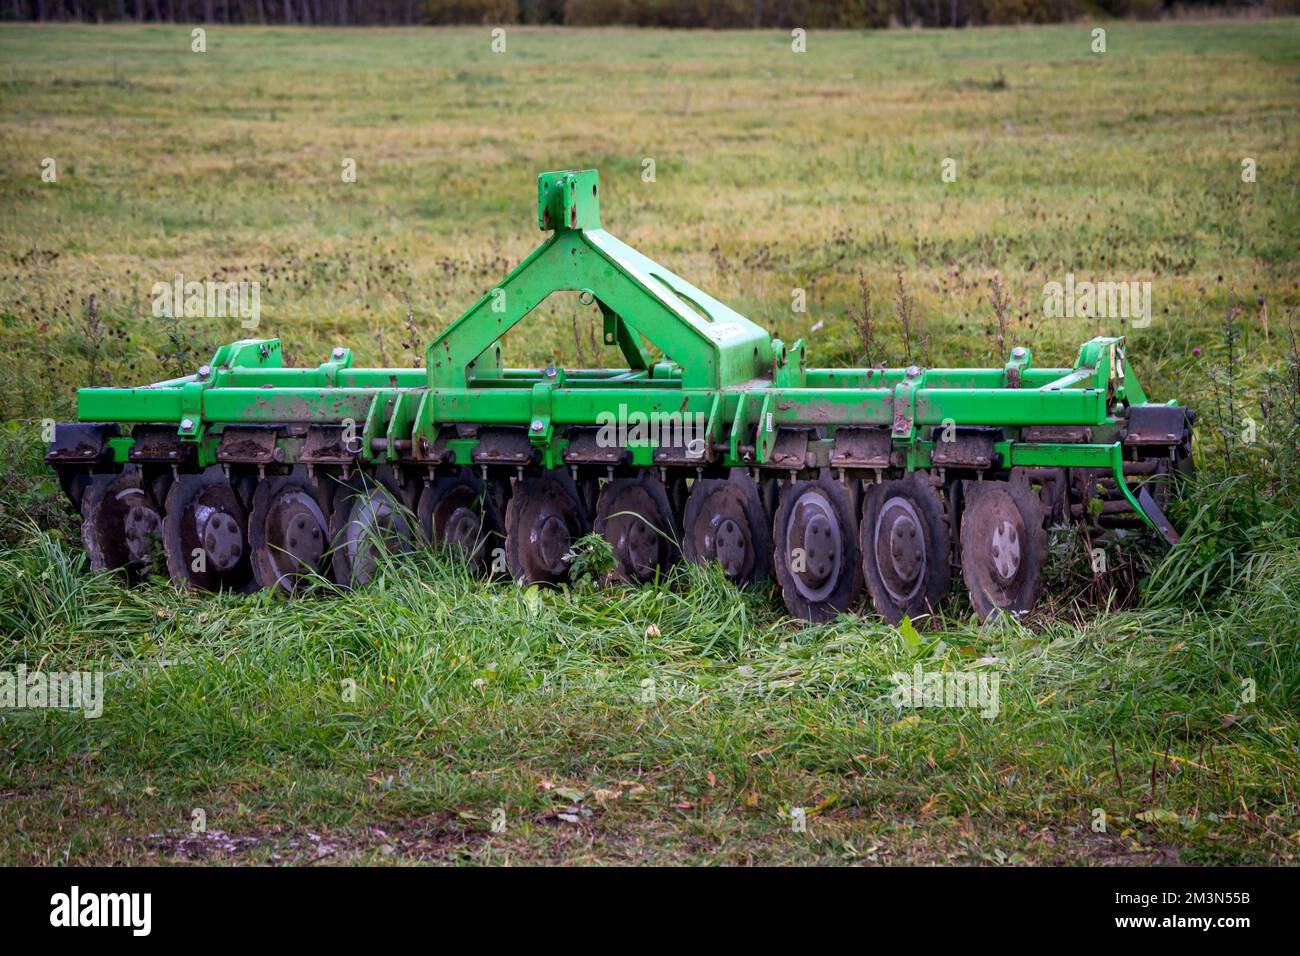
122,527
724,522
636,518
289,533
544,519
205,533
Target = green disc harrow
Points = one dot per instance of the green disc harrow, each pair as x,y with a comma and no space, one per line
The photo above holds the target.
710,442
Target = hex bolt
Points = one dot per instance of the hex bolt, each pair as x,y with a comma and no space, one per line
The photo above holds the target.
205,371
187,424
338,352
913,371
1018,352
538,425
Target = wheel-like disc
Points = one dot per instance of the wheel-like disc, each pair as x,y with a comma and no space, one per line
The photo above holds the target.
636,518
369,519
543,521
725,522
905,547
816,553
289,532
122,525
205,534
455,514
1002,546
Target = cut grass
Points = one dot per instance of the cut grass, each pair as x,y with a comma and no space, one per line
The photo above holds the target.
680,722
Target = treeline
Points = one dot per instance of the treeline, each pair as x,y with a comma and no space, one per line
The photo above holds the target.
812,14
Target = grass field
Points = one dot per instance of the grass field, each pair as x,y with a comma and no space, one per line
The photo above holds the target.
680,723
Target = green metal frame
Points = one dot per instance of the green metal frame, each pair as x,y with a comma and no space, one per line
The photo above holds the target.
717,363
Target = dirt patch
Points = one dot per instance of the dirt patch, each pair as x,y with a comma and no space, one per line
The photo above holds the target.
420,839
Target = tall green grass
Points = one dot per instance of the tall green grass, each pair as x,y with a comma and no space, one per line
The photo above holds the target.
669,684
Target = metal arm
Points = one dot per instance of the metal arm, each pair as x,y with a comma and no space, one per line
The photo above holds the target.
715,346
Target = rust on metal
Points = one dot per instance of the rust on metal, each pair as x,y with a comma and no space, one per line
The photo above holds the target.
503,446
248,444
156,443
790,450
327,445
967,448
585,448
1056,434
861,448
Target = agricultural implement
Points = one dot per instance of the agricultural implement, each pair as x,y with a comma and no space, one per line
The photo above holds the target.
710,442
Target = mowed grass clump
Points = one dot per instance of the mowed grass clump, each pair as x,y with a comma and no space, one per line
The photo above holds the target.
683,722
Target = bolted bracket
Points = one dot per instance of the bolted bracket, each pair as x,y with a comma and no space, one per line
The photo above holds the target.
568,199
1020,361
905,403
540,429
789,366
340,358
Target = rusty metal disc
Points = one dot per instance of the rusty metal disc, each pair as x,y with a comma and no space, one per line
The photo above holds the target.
816,549
288,532
122,526
636,518
1003,546
456,514
205,534
905,547
370,520
725,522
544,519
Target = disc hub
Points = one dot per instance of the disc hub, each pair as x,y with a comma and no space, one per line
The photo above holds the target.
729,545
638,544
900,548
1004,548
462,530
814,545
143,529
296,535
304,537
723,521
551,541
222,538
635,517
817,546
543,519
